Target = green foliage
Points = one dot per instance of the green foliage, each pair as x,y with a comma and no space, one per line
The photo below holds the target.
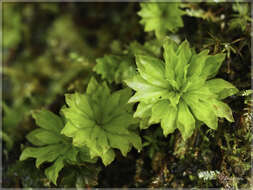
13,26
242,17
115,68
154,142
151,47
28,175
101,121
57,37
52,146
178,91
29,87
161,17
11,119
80,176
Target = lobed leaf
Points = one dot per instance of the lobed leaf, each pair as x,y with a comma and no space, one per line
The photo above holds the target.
201,110
53,171
52,146
169,118
212,65
151,69
48,120
222,88
185,120
42,137
161,17
109,127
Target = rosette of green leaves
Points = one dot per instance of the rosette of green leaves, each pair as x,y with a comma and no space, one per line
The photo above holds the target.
52,146
101,121
180,90
161,17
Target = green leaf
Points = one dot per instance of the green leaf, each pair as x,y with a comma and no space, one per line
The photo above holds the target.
53,171
42,154
68,130
222,110
194,83
124,97
212,65
241,18
165,113
135,140
185,121
203,92
197,63
158,109
76,100
201,110
120,142
151,69
93,87
107,157
71,155
80,116
171,59
143,110
152,48
115,68
161,17
120,67
144,123
106,66
52,146
84,155
169,118
109,126
124,120
41,137
184,55
145,91
48,120
140,84
222,88
174,98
